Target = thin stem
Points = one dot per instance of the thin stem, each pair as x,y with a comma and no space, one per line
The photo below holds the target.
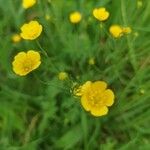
130,45
39,45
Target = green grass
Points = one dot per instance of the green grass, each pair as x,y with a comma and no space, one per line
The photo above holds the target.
39,112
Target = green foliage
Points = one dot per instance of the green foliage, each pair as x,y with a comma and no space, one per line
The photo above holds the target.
39,112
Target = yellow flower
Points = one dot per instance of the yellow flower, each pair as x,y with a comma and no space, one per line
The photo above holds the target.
101,14
95,97
91,61
127,30
16,38
28,3
136,34
47,17
31,30
142,91
62,76
75,17
24,63
139,3
116,31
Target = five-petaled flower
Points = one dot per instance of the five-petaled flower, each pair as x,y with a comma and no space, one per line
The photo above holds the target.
95,97
75,17
24,62
116,31
101,13
28,3
31,30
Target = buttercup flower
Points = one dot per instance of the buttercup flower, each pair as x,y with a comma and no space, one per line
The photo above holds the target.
28,3
95,97
31,30
101,14
24,62
91,61
75,17
116,31
16,38
62,76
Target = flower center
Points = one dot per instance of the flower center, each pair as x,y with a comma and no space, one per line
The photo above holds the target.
95,98
27,66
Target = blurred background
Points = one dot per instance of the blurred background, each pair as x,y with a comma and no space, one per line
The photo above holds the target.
40,112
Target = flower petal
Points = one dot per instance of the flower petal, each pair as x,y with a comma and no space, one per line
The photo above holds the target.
108,97
34,57
99,85
85,103
95,111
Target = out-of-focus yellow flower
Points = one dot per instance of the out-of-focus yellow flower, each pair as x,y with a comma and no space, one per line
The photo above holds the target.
116,31
75,17
31,30
24,62
136,34
95,97
139,3
101,14
63,76
91,61
47,17
16,38
28,3
142,91
127,30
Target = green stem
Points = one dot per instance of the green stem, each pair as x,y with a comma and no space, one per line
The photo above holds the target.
130,44
44,52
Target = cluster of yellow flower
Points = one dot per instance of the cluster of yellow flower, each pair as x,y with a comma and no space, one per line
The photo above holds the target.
118,31
102,14
95,97
23,62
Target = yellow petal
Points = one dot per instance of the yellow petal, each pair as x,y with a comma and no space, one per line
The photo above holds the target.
85,103
85,88
20,56
108,97
99,85
95,12
95,111
34,57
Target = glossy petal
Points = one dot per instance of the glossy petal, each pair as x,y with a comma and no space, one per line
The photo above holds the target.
99,85
85,103
34,57
108,97
95,111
